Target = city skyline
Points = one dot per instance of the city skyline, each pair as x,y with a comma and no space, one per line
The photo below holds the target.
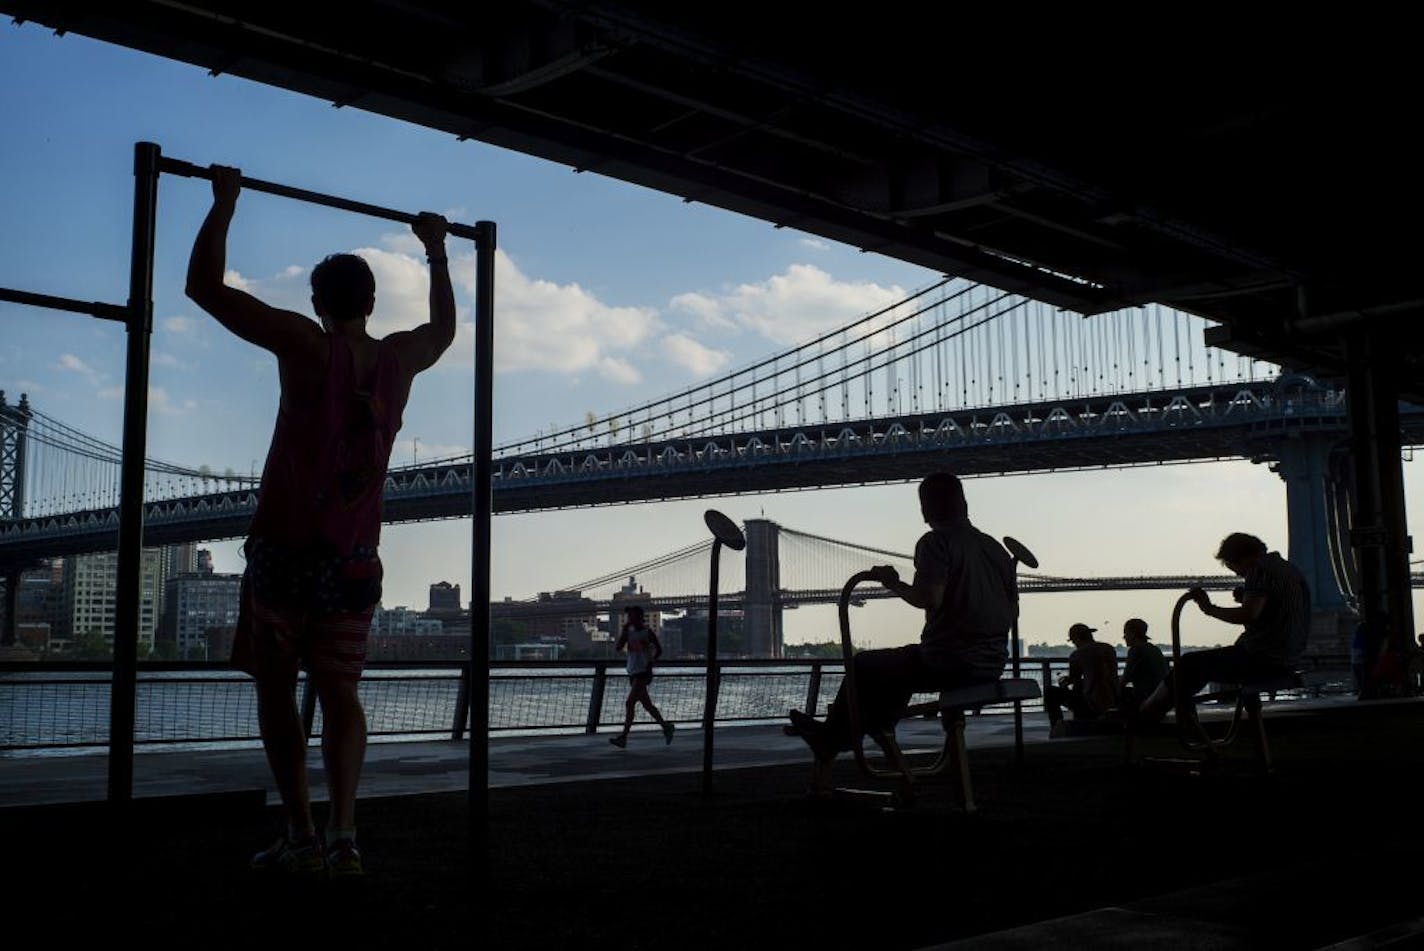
609,295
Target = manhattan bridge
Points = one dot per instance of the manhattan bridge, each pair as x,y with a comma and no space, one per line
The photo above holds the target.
956,376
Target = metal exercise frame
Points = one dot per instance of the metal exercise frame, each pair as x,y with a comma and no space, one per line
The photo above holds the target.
951,705
1193,736
137,317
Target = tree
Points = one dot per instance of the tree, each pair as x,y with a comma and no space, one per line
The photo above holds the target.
507,631
90,645
826,649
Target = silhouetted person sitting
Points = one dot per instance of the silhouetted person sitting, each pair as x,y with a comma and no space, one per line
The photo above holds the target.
1275,610
1144,669
1090,687
964,582
313,575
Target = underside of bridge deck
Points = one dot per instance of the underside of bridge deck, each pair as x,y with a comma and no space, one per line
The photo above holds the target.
1254,175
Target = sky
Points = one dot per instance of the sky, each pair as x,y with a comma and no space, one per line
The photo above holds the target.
607,295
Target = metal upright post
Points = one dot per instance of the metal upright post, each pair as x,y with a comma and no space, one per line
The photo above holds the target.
1020,555
714,672
482,506
724,532
130,567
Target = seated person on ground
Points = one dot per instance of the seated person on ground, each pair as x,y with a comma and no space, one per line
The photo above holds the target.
1090,688
1275,610
964,582
1145,667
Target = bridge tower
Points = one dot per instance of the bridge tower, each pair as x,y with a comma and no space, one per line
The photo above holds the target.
761,606
1310,457
14,425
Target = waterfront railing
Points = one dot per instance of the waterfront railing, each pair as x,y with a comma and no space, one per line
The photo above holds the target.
48,706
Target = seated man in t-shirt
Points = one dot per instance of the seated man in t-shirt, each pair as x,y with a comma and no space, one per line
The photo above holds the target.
1090,689
1275,610
964,582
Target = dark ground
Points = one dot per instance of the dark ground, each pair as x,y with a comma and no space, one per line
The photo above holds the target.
1323,850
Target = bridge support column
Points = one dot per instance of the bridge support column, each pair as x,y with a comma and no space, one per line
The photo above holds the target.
1305,467
1379,531
761,618
1315,547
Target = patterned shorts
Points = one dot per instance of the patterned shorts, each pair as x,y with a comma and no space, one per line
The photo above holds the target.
300,610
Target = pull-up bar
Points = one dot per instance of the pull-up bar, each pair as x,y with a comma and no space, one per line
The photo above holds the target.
50,302
189,170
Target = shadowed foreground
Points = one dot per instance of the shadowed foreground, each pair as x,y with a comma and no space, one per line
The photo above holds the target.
1324,850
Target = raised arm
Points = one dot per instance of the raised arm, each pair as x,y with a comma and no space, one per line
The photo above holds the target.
290,336
421,347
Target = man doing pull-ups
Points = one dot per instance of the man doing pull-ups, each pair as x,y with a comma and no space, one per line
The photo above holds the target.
313,576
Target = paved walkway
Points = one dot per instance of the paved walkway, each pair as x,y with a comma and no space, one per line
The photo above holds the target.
411,768
1062,854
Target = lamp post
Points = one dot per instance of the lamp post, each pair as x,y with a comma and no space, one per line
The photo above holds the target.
1021,555
724,532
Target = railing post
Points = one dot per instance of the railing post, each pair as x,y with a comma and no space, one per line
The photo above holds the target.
813,688
595,701
462,705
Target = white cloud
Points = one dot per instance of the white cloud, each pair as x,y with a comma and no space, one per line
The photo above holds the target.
540,325
705,308
180,325
72,364
163,359
794,306
561,327
619,370
697,357
815,243
158,400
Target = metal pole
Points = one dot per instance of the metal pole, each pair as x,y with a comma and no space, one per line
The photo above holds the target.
189,170
482,505
93,308
714,673
130,563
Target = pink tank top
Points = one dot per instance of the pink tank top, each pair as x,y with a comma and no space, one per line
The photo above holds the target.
324,480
